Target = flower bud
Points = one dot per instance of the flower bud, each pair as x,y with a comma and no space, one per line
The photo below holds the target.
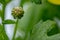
17,12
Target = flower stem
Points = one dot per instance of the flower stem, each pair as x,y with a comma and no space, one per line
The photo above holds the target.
3,16
15,30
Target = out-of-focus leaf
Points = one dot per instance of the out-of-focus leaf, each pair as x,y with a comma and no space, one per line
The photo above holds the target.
48,13
23,1
37,1
26,20
18,38
40,30
9,22
32,1
52,10
7,1
53,31
54,37
1,1
3,35
4,2
31,17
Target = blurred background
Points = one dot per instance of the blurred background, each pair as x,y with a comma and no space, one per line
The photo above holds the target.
9,28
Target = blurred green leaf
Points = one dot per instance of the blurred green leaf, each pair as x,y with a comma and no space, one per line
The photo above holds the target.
3,35
4,2
51,10
53,31
37,1
48,13
7,1
18,38
1,1
54,37
31,17
40,31
23,1
9,22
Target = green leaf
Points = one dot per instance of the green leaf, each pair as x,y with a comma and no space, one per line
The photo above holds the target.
1,1
26,20
30,18
7,1
23,1
40,30
9,22
18,38
3,35
37,1
54,37
4,2
50,14
53,31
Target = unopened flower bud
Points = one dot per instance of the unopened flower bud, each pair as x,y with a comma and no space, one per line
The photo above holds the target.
17,12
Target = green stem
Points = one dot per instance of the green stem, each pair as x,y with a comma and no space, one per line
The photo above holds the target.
3,17
3,14
15,30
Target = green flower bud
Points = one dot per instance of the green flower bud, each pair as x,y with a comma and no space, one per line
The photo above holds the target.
17,12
